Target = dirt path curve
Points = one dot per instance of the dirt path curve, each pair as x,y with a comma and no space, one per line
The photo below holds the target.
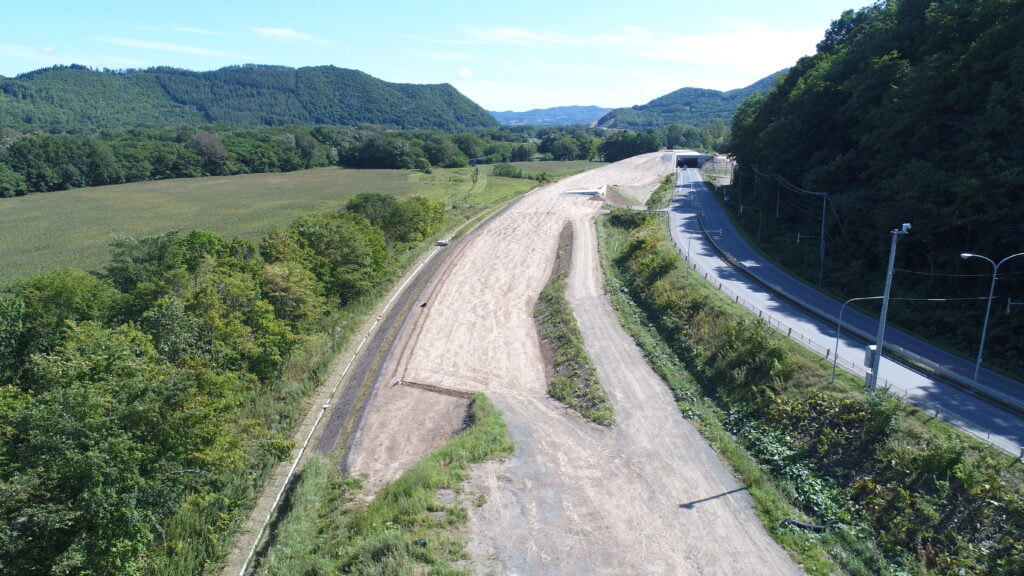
645,497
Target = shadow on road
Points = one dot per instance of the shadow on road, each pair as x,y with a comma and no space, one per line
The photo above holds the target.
690,505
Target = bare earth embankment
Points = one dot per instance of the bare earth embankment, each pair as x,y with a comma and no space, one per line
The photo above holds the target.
645,497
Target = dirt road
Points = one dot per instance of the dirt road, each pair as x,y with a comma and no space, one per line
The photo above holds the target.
645,497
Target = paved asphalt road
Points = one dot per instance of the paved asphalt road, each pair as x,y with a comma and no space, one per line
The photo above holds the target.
971,412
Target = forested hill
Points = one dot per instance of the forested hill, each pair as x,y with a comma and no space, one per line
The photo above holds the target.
76,98
685,107
557,116
910,111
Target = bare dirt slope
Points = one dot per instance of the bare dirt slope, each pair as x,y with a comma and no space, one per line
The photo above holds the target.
645,497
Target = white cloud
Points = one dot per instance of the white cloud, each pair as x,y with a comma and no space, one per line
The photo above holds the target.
46,50
289,35
167,47
192,30
465,73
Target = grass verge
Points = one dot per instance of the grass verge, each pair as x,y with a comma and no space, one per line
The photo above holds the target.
406,529
662,195
572,377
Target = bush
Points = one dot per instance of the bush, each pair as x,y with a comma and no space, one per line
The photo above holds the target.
507,171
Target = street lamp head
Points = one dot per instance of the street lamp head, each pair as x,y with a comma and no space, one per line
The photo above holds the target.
966,255
906,228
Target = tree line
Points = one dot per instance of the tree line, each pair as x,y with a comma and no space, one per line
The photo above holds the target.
131,398
45,162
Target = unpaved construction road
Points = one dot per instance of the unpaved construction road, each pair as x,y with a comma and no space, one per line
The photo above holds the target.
647,496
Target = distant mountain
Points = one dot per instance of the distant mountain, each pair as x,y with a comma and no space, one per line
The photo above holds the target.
686,107
75,98
558,116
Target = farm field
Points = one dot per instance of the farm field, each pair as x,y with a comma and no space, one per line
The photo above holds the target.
74,228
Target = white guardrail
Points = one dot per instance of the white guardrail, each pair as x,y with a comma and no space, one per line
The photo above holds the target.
940,412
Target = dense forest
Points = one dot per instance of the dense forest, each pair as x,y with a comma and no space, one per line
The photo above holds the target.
910,111
78,99
139,405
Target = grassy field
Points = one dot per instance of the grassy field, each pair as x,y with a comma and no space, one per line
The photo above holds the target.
74,228
557,169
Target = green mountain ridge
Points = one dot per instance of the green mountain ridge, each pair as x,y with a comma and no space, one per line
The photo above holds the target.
686,107
77,98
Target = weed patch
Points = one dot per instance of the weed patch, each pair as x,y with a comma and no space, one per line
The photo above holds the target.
572,379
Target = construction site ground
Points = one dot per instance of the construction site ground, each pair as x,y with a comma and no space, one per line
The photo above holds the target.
647,496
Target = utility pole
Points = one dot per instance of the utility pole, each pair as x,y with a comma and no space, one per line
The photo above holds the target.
821,248
876,358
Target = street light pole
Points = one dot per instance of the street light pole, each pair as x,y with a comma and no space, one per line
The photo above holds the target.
839,327
988,307
876,360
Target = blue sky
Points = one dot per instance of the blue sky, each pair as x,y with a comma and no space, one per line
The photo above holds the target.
511,55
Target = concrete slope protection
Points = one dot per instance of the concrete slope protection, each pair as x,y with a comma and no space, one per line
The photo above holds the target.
972,413
647,496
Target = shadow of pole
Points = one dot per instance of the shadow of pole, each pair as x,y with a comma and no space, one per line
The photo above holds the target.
690,505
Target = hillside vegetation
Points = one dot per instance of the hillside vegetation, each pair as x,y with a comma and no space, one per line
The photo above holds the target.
695,107
910,111
75,98
557,116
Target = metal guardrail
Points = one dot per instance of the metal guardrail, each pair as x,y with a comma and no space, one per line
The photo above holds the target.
940,412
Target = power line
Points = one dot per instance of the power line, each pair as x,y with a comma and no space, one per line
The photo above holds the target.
1017,274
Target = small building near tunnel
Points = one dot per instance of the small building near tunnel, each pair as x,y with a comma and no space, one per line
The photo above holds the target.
691,159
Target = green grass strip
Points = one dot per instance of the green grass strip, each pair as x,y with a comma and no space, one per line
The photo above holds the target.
573,379
405,530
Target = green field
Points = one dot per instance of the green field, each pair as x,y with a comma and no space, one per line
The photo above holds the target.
74,228
557,169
